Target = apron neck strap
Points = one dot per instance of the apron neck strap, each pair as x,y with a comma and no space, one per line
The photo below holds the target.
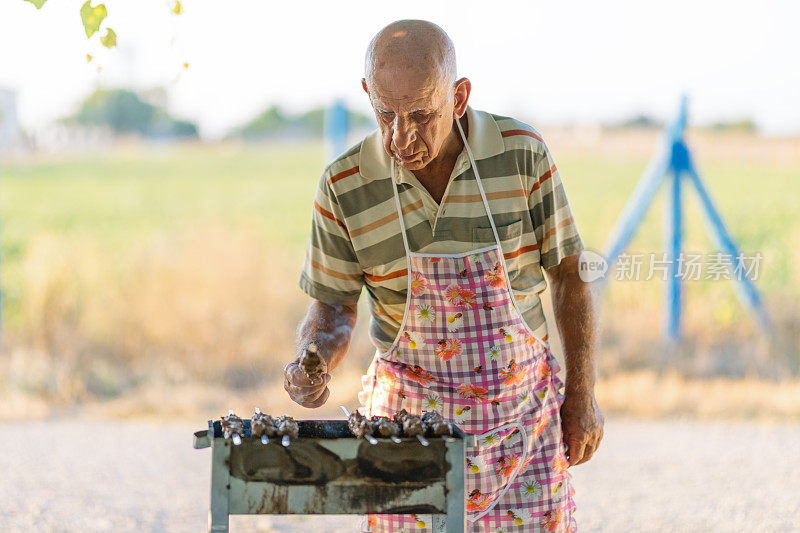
400,214
480,186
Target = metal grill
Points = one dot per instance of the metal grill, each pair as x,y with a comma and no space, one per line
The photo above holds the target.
328,471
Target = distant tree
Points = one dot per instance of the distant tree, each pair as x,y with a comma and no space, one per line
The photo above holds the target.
744,125
273,122
639,121
268,123
121,110
125,112
182,128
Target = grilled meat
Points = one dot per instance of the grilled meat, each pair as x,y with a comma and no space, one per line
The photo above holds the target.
262,424
286,425
358,424
232,425
311,363
435,424
383,426
411,425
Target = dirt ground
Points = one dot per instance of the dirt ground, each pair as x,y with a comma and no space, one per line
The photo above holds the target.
673,475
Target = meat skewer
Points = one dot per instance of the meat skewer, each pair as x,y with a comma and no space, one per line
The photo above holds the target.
430,424
232,428
359,426
262,425
435,424
311,363
287,428
412,425
386,427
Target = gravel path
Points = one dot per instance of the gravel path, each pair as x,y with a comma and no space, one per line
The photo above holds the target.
647,476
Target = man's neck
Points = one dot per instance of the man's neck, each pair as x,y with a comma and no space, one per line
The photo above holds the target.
436,174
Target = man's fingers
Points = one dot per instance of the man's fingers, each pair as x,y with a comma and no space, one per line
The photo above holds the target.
319,401
315,394
305,393
298,378
307,399
588,451
319,384
576,450
582,425
300,382
302,396
598,439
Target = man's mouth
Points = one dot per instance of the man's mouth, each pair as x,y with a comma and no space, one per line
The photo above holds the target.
407,158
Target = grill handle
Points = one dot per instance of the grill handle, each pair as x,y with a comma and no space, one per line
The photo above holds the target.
201,440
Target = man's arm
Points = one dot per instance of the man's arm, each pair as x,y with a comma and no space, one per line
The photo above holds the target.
573,305
330,328
333,277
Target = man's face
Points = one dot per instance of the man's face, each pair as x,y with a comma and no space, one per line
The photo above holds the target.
414,110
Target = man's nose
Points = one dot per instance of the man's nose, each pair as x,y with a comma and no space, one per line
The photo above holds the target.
404,135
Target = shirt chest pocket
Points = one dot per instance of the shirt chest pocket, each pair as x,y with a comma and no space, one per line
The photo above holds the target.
509,234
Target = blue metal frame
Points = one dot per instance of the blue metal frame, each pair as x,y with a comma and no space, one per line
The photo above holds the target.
337,124
671,163
673,243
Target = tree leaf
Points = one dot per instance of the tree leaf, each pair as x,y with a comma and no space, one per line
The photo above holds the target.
37,3
92,17
178,9
109,40
89,58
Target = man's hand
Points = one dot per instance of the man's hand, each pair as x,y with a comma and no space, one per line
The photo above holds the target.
301,390
334,324
582,426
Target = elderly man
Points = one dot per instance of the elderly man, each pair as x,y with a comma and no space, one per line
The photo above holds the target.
449,215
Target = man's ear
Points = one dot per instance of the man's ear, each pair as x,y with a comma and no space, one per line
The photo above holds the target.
364,85
461,95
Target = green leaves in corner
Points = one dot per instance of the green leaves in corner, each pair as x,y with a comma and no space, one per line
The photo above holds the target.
109,40
92,17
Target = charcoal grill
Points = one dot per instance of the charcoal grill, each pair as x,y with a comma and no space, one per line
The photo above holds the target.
328,471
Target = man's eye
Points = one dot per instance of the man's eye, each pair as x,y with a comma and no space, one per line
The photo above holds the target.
386,115
422,117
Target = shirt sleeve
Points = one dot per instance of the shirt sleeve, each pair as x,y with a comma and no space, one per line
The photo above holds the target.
331,272
554,225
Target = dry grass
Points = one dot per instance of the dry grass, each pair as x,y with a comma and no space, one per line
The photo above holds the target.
207,305
645,393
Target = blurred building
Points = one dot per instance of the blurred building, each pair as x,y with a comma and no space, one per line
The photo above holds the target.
10,132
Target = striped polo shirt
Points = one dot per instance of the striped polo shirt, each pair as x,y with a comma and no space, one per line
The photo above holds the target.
355,236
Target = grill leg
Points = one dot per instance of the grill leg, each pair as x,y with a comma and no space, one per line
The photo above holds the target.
454,522
220,488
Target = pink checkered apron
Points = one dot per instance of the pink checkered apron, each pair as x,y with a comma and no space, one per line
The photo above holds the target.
464,350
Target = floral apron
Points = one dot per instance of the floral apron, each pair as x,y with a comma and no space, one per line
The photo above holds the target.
464,350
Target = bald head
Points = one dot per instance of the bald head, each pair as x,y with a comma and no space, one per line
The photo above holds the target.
412,45
411,82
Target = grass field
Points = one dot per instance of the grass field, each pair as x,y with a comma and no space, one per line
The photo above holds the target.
174,265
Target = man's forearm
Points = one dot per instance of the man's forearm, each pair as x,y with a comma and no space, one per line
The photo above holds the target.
330,327
573,306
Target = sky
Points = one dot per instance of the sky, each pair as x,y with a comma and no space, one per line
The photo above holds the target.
547,62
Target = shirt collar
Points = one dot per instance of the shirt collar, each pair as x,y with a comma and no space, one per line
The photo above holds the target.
484,139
